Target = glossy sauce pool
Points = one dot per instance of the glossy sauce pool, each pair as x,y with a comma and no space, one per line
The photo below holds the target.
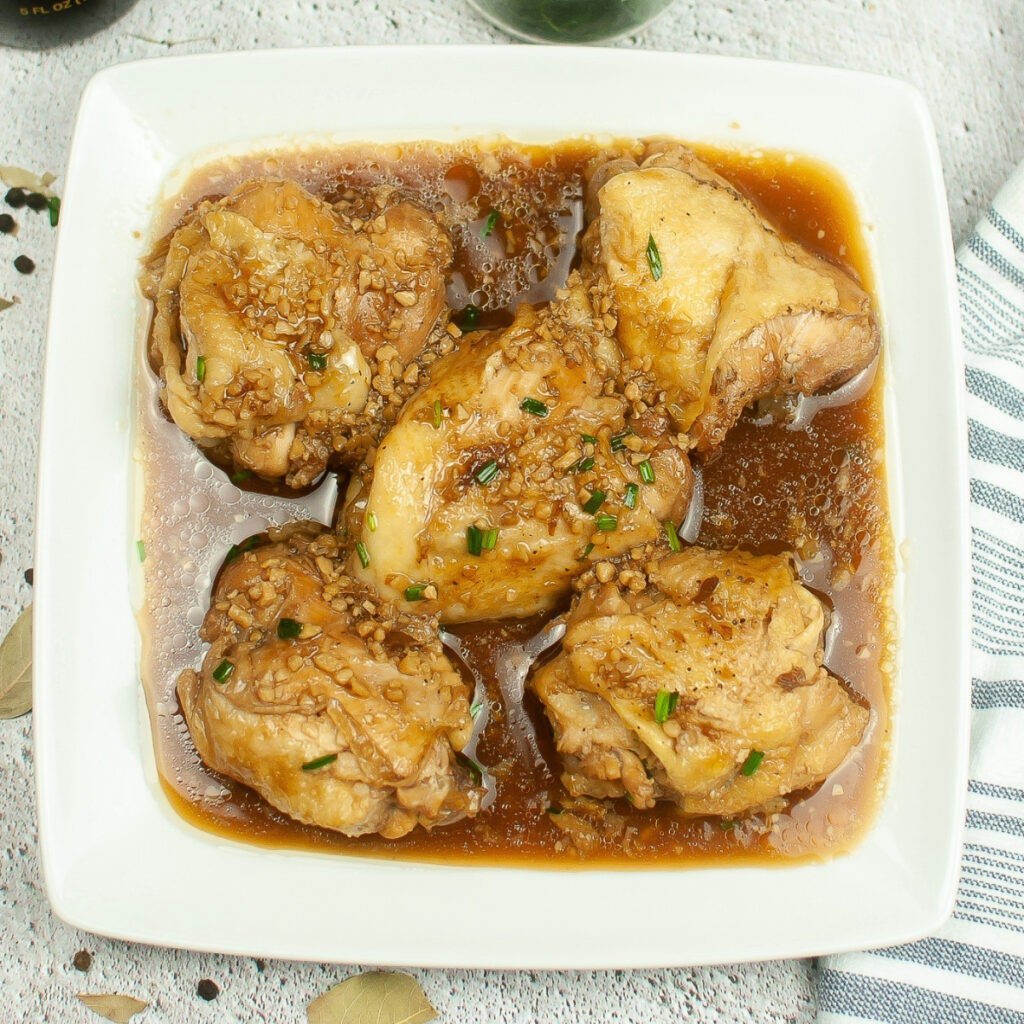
819,491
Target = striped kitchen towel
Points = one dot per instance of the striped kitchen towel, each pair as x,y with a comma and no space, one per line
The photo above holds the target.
972,970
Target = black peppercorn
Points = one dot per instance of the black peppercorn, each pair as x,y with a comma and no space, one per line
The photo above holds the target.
16,197
7,223
82,960
37,201
24,265
207,989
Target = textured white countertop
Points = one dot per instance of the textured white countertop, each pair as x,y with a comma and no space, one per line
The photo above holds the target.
966,57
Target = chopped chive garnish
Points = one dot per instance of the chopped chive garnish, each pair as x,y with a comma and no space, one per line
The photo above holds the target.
664,704
415,592
476,772
288,629
646,471
371,522
54,205
606,523
728,826
584,465
632,492
586,552
618,442
475,708
673,535
319,762
474,540
490,224
588,439
437,413
490,539
317,360
595,501
486,473
364,555
240,476
140,550
470,318
534,407
200,368
223,671
752,763
654,258
555,810
236,549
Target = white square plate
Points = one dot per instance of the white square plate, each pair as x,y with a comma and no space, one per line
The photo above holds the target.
116,858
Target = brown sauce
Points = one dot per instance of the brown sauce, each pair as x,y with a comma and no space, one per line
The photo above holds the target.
819,491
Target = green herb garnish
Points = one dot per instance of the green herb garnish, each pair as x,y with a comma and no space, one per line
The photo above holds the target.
588,439
475,708
490,224
606,523
288,629
476,772
54,205
654,258
618,442
319,762
316,360
594,502
584,465
664,704
474,540
415,592
140,550
437,413
223,671
752,763
470,318
241,476
534,407
200,368
646,471
490,539
586,553
364,555
371,522
236,549
673,535
486,473
632,493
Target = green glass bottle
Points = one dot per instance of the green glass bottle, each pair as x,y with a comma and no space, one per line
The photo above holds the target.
42,24
570,21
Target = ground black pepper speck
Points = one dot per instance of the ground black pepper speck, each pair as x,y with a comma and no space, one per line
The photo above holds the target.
207,989
24,265
82,960
37,201
7,223
16,198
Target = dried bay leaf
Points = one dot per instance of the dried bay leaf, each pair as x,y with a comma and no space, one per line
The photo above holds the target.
373,997
117,1008
16,668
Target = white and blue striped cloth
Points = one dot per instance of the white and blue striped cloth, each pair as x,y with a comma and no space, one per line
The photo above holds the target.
972,970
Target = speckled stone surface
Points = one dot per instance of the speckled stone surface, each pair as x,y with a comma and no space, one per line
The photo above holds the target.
966,57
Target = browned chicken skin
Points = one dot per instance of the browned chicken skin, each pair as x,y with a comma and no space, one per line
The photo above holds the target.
339,710
707,689
270,308
466,455
729,311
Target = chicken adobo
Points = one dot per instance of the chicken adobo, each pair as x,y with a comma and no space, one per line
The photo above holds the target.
554,385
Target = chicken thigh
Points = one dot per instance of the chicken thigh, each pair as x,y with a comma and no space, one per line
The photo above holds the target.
707,689
338,709
270,308
519,464
729,311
